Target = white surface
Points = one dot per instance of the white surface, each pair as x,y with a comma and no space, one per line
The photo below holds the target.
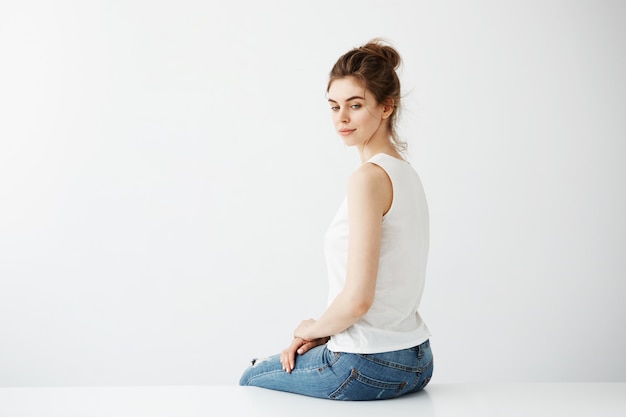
441,400
168,170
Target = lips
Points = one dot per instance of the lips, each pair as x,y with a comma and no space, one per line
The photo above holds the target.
346,132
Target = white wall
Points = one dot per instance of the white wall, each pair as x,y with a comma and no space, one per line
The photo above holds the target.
168,169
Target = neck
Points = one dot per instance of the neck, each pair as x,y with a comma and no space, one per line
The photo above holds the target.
380,142
367,150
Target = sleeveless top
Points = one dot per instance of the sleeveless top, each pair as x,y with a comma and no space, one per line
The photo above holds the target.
393,321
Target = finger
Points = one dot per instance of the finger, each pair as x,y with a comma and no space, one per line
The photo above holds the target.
308,346
292,360
284,358
295,345
305,348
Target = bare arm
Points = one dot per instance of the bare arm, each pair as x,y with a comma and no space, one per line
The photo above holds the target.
370,195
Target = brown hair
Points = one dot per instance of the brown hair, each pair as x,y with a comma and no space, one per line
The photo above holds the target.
374,64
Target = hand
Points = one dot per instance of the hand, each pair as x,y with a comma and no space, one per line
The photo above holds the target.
299,346
288,355
301,330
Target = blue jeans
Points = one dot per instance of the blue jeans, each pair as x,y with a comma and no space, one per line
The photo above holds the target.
346,376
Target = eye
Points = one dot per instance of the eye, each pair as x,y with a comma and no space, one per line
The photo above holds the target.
355,106
334,108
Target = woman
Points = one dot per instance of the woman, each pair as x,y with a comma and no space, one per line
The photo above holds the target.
371,342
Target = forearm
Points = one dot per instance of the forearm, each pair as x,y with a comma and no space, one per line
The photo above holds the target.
342,313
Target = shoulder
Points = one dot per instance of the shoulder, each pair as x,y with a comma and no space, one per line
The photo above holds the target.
370,186
369,175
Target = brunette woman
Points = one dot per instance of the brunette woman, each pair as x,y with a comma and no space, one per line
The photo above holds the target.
371,342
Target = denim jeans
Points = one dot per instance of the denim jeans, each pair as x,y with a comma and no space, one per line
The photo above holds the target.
346,376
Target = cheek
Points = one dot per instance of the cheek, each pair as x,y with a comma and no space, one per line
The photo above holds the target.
364,118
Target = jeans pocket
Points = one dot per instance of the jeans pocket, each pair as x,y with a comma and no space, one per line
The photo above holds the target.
330,359
359,387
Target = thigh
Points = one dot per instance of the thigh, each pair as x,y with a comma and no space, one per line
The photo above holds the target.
311,375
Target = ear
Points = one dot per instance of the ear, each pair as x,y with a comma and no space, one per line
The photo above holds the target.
388,108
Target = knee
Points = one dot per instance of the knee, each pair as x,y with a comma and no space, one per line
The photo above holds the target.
249,372
245,377
258,367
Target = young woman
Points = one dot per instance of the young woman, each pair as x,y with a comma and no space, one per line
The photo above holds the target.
371,342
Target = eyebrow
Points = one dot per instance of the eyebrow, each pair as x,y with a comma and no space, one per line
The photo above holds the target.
350,99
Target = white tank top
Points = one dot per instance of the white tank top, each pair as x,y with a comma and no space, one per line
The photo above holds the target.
393,321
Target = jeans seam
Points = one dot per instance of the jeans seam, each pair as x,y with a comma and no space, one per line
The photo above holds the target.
356,376
389,364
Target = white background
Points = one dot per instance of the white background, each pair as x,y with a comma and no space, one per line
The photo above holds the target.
168,170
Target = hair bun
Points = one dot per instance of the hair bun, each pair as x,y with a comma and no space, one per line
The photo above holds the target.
378,48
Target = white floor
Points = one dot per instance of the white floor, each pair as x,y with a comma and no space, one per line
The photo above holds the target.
458,400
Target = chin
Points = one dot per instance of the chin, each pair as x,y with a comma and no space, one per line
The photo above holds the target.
348,142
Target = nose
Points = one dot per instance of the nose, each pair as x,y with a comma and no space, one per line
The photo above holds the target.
343,115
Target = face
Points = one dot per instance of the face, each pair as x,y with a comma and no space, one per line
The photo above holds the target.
356,115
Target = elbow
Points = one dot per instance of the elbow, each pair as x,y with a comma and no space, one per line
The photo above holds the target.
361,307
356,302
